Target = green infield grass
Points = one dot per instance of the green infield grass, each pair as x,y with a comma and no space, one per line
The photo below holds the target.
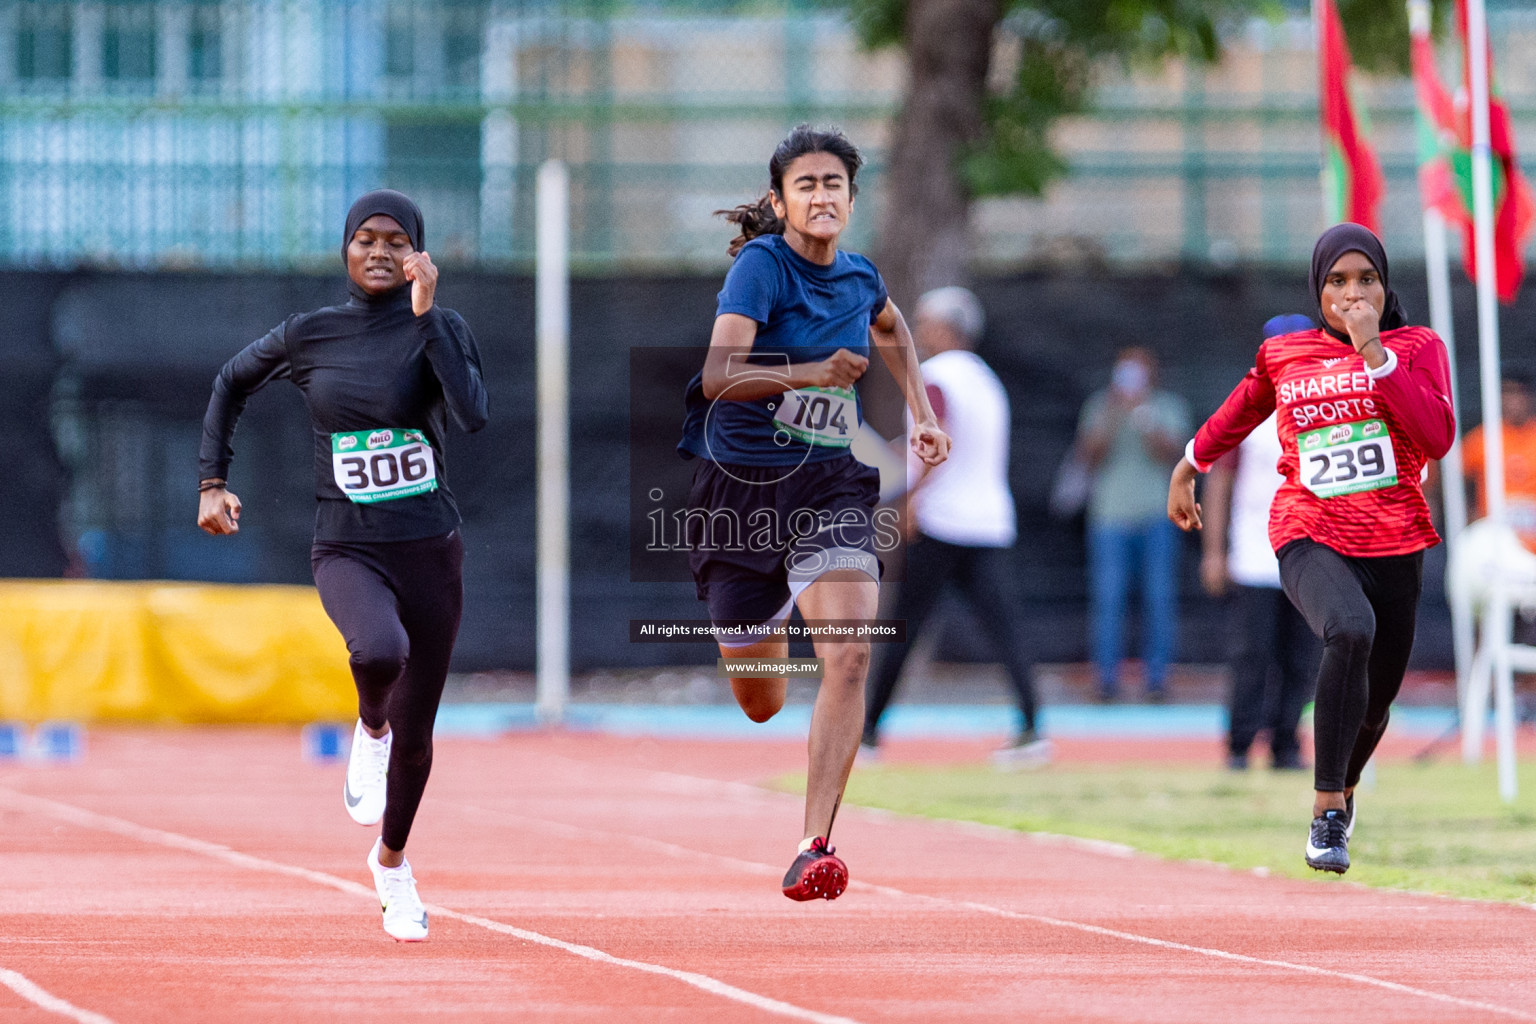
1434,827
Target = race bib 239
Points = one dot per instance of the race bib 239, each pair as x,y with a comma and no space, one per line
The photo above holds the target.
1346,458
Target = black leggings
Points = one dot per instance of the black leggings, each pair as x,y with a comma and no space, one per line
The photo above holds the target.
1270,640
397,604
981,576
1364,610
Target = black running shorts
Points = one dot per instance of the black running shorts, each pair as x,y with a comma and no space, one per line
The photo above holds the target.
758,535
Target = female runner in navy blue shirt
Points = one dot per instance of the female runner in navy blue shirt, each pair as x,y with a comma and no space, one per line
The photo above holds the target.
780,513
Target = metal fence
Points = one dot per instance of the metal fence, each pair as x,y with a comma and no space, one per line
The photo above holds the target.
226,133
216,134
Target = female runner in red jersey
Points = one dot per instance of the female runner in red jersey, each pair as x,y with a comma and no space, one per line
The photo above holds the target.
1363,404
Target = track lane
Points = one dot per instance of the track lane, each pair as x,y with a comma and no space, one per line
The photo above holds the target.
46,1002
666,858
90,820
1390,936
763,870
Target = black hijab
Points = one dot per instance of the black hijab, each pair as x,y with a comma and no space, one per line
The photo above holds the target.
392,204
1335,242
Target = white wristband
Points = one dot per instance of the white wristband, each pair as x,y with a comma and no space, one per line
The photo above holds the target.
1189,457
1385,368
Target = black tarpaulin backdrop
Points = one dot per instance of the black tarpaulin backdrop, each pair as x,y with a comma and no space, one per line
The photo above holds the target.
106,376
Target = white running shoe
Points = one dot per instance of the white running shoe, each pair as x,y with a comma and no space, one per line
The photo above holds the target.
405,919
367,770
1026,750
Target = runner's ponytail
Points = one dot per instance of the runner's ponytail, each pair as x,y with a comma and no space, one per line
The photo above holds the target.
754,219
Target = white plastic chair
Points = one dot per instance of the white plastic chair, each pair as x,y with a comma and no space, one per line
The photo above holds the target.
1483,554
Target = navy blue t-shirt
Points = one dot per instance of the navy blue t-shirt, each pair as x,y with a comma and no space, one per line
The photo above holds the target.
805,312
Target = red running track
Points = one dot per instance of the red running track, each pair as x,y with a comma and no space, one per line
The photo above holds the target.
191,876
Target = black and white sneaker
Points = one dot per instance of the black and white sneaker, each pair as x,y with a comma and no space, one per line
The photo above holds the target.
1026,750
1328,842
405,919
365,789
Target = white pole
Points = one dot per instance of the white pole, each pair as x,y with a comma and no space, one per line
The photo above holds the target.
1324,166
1488,353
553,319
1441,319
1453,482
1452,476
1437,267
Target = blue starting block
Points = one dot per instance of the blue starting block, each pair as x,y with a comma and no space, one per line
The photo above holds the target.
326,741
13,741
57,741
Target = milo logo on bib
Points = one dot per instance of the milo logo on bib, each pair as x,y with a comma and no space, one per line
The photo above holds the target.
1347,458
382,465
825,417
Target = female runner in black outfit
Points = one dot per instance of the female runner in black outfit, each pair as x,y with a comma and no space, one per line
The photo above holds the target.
379,375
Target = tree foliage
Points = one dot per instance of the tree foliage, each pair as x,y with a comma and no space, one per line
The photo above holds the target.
1059,45
1377,31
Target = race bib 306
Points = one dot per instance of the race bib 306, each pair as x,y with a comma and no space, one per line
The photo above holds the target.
382,465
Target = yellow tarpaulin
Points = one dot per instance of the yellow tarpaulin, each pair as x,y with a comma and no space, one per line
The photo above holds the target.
169,652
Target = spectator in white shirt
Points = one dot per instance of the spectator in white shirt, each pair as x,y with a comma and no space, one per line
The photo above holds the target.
964,516
1273,653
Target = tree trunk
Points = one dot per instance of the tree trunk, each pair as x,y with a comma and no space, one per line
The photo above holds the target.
924,239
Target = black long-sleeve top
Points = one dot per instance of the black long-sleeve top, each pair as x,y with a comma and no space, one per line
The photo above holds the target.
366,365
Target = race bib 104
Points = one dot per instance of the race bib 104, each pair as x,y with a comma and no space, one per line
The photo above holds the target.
382,465
1347,458
825,417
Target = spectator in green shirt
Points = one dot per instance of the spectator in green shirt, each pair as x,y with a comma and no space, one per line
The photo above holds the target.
1127,434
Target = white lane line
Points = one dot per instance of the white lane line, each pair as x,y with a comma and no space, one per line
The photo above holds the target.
675,783
1221,954
175,840
35,993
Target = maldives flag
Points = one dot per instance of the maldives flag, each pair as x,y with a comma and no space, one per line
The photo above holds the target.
1514,208
1441,149
1351,173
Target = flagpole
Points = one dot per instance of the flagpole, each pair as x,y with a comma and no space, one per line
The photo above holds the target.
1497,617
1453,484
1437,268
1437,260
1322,138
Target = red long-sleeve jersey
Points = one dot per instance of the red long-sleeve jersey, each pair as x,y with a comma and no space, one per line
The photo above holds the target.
1354,440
